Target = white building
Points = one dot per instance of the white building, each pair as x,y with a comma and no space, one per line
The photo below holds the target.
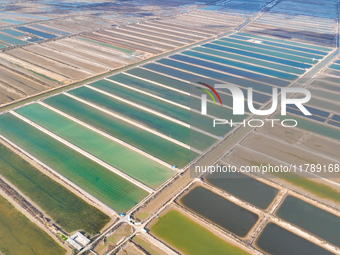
78,241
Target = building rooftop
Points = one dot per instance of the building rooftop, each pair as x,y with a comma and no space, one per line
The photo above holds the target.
78,241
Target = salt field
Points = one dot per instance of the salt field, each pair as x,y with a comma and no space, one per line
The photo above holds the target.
116,128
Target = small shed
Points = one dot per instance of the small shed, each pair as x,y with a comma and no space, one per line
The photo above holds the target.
78,241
